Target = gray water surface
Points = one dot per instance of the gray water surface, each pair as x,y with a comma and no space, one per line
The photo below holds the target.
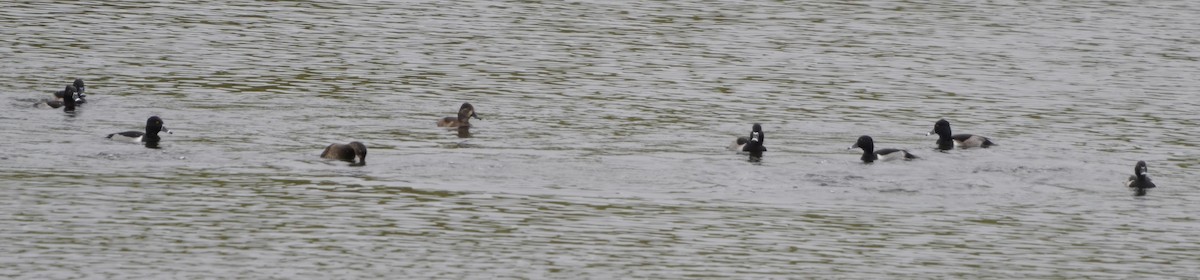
601,152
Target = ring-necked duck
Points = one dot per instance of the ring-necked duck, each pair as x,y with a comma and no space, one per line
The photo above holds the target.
80,88
464,116
947,141
870,154
753,144
153,126
347,152
1139,181
69,103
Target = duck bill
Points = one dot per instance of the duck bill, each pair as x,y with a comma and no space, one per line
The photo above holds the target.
167,130
475,116
931,132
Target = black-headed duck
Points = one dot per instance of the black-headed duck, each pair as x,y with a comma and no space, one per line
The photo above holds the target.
1139,182
870,154
947,141
153,126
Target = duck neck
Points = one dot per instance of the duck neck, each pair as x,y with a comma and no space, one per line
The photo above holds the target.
944,141
151,134
869,154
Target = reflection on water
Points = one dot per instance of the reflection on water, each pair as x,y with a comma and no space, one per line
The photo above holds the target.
602,156
464,132
756,157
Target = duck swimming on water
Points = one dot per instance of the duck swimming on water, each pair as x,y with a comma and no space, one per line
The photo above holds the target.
947,141
1139,182
465,112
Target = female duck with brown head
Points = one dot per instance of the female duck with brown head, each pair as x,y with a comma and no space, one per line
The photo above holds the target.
465,112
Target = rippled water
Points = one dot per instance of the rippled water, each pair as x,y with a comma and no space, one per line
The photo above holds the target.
601,149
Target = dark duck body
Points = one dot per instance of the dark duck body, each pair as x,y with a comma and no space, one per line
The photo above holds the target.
347,152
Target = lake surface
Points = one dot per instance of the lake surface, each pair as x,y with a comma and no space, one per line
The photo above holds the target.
601,149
